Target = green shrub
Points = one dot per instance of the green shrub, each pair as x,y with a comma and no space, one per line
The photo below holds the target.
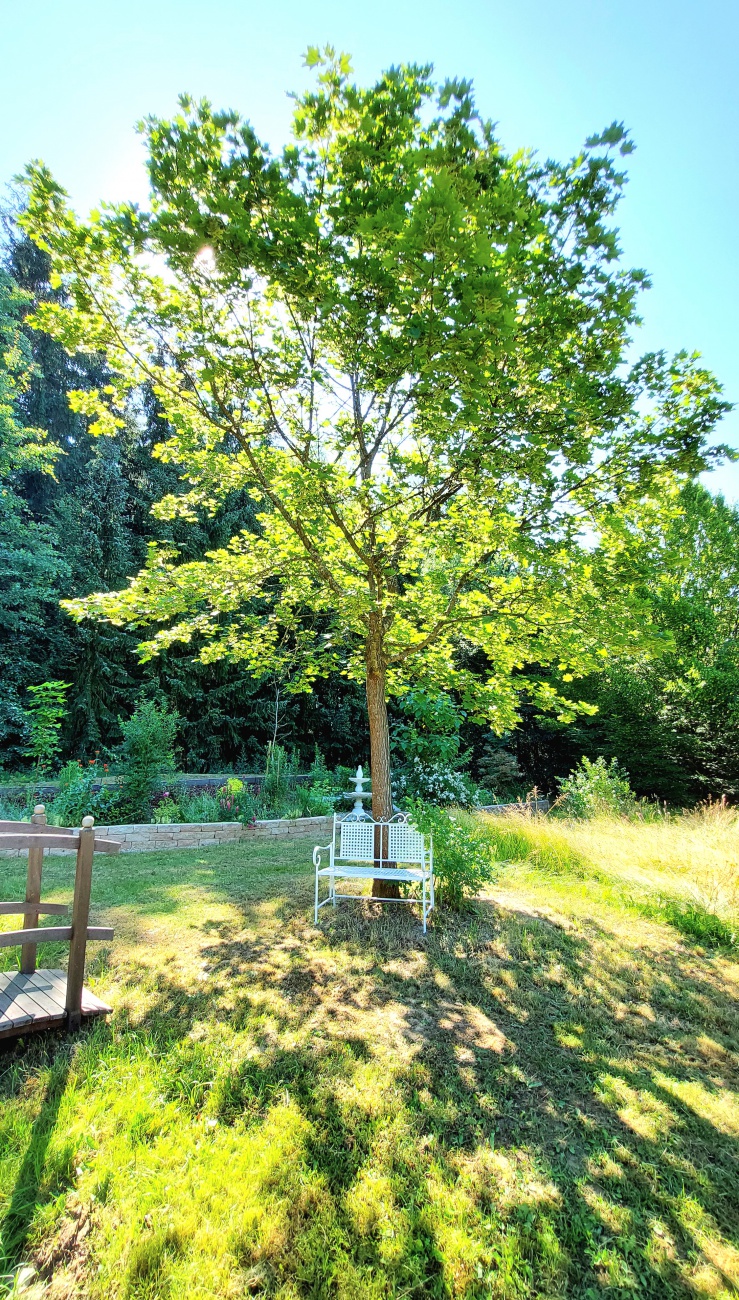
70,774
463,853
146,754
15,810
44,717
318,797
499,771
317,801
596,789
279,778
200,807
433,784
77,798
318,772
344,778
426,748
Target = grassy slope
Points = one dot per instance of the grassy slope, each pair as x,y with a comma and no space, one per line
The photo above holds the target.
538,1099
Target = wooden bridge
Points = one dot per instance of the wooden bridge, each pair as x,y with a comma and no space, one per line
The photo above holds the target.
33,999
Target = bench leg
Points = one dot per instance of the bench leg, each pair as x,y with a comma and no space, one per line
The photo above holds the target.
424,905
316,911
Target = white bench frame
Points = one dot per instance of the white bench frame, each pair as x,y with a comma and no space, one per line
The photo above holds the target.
356,852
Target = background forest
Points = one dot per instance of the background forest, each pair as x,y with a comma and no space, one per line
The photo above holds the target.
669,720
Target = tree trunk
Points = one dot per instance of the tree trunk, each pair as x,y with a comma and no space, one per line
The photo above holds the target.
382,799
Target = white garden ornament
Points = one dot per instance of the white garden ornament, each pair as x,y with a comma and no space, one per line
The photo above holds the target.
363,849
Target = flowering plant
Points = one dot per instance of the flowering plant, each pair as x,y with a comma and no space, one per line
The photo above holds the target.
166,809
235,802
433,783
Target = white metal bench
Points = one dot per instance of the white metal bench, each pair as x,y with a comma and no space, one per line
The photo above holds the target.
361,849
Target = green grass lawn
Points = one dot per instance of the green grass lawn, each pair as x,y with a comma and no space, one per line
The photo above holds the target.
538,1098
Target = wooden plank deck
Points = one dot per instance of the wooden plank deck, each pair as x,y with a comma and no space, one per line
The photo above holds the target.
30,1002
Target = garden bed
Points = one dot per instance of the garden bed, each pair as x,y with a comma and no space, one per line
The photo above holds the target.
190,781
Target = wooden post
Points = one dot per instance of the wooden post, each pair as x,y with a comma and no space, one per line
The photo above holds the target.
33,893
80,917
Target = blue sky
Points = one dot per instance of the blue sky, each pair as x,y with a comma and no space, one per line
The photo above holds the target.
77,76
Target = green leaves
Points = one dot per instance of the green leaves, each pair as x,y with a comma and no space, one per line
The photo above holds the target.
614,134
44,717
91,402
21,447
410,349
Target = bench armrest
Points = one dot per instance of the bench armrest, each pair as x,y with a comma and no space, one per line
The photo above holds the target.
318,850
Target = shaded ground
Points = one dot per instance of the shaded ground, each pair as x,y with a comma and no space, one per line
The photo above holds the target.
536,1099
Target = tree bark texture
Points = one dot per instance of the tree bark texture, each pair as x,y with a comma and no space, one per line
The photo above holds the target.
379,731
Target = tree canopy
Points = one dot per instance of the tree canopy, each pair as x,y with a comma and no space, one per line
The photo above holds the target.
410,348
671,718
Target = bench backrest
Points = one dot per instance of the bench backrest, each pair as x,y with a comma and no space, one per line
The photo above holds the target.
394,842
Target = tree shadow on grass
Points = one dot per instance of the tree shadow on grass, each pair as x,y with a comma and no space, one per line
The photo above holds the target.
627,1030
35,1184
519,1034
518,1038
545,1052
552,1094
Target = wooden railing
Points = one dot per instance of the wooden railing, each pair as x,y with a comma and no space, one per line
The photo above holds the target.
37,836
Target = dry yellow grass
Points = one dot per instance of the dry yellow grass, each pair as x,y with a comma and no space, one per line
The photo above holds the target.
692,855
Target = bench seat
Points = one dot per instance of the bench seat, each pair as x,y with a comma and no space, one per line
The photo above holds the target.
350,871
352,857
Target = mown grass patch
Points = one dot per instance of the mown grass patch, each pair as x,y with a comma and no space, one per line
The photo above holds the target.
537,1099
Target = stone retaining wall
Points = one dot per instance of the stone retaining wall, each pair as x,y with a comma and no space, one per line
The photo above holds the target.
145,838
321,827
196,835
527,808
